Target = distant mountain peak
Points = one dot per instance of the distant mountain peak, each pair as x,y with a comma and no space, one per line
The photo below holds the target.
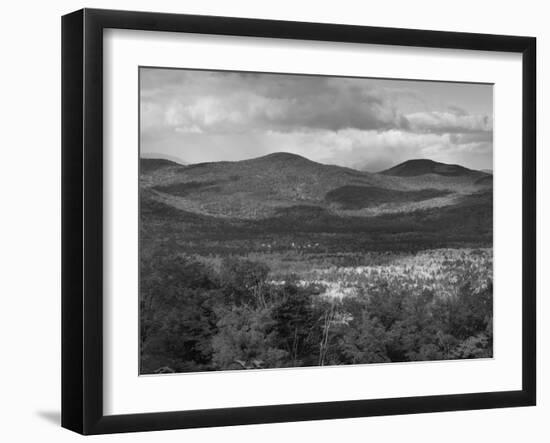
258,188
159,156
415,167
152,164
282,157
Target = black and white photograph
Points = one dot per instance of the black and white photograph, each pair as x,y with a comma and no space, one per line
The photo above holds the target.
298,220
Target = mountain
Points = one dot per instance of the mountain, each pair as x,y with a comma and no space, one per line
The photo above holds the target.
153,156
155,170
280,202
261,187
487,180
154,164
413,168
256,187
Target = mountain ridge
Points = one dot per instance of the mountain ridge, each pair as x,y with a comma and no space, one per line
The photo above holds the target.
416,167
261,186
408,168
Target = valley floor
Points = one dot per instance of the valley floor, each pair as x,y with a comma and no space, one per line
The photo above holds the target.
294,308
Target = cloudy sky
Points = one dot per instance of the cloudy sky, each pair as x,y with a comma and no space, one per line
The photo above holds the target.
372,124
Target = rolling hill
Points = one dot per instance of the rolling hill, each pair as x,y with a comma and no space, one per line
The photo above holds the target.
259,187
416,167
283,199
148,165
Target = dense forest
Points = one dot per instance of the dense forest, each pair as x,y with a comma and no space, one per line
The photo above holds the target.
198,317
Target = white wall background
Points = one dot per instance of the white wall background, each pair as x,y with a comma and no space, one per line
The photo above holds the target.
30,222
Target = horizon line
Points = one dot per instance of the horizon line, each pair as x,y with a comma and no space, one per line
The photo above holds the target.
181,162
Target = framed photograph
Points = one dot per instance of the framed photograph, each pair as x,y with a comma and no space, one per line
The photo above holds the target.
268,221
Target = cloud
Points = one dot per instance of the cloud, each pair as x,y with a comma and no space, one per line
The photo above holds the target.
375,124
232,102
449,122
370,150
471,137
227,102
377,150
457,110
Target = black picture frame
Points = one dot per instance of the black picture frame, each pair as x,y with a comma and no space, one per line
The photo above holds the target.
82,218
